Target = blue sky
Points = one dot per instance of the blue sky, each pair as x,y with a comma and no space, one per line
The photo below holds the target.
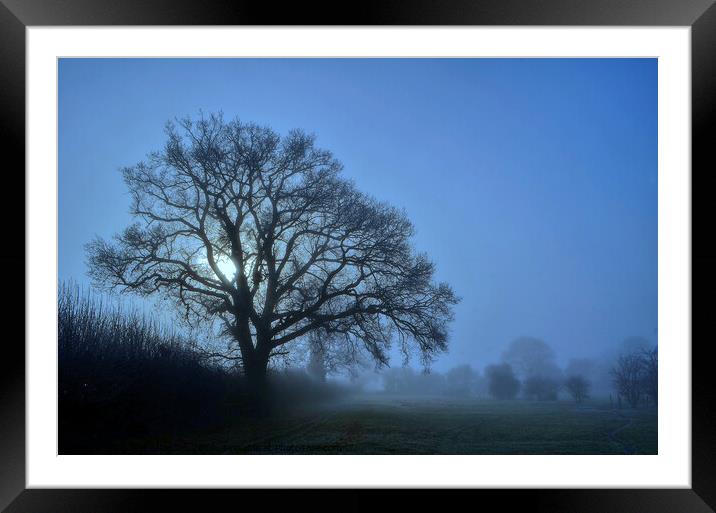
532,182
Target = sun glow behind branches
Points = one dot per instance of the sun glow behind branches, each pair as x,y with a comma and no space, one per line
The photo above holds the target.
224,264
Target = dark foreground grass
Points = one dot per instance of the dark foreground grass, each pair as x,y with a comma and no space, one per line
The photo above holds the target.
381,424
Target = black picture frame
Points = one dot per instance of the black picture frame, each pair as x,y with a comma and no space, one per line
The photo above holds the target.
16,15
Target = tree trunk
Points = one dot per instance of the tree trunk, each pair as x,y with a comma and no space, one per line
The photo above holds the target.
255,367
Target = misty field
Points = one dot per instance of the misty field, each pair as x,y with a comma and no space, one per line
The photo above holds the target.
380,424
126,387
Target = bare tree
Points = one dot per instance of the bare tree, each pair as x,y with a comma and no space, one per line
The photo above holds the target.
460,380
259,231
317,366
595,371
627,376
501,381
650,378
578,387
328,353
530,357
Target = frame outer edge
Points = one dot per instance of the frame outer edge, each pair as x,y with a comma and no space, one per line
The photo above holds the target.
365,12
703,119
12,338
12,126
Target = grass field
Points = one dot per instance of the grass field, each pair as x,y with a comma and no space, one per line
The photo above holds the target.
379,424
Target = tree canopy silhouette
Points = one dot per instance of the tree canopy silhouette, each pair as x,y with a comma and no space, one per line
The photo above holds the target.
531,357
239,224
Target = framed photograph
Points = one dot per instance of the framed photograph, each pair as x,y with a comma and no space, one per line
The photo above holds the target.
418,248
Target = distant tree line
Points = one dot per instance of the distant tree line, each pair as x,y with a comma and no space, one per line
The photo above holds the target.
635,377
529,370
